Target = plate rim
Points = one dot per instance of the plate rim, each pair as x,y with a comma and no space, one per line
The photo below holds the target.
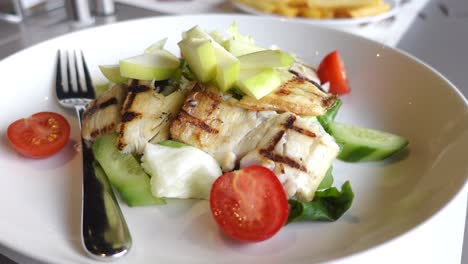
41,258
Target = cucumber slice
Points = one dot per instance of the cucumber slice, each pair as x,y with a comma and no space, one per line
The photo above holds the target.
364,144
330,115
124,173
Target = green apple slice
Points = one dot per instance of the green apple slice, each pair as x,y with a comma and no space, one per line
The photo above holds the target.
238,48
158,65
259,82
158,45
227,65
200,56
227,73
266,59
112,73
100,88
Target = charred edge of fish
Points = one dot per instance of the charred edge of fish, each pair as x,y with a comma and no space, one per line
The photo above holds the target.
95,106
133,91
104,130
304,132
282,91
282,159
329,101
299,76
196,122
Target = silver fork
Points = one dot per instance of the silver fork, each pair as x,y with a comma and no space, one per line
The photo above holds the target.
104,232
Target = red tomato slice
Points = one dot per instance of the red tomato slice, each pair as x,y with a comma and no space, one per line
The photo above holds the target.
39,135
332,70
250,204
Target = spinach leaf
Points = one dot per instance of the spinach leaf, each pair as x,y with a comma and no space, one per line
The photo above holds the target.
328,205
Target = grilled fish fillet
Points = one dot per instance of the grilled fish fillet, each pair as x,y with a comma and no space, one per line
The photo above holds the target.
146,116
296,95
298,150
207,122
102,115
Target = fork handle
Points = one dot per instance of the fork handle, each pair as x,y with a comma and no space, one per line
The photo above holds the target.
105,234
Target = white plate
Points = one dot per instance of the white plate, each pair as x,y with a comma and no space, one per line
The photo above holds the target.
390,91
182,6
326,22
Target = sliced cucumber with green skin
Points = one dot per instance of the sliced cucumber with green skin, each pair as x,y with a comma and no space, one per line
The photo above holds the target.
364,144
330,115
124,172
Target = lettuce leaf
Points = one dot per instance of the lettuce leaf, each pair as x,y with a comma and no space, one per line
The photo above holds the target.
330,115
328,205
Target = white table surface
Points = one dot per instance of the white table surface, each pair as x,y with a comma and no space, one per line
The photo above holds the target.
439,37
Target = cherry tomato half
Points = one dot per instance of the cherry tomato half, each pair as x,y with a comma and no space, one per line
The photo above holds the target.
39,135
249,204
332,70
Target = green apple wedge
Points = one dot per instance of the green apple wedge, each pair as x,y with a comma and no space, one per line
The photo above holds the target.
157,65
266,59
227,65
258,82
238,47
227,70
112,73
200,56
158,45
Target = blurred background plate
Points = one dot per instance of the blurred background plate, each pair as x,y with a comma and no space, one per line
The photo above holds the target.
182,6
326,22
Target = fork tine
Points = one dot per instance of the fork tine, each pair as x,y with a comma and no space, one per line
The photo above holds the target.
69,78
77,73
58,77
89,84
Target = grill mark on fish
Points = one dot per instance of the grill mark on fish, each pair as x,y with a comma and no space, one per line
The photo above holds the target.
106,129
129,116
268,152
304,132
282,159
289,122
274,140
133,91
95,107
299,76
196,122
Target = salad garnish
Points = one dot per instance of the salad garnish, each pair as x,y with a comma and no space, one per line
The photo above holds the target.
248,128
